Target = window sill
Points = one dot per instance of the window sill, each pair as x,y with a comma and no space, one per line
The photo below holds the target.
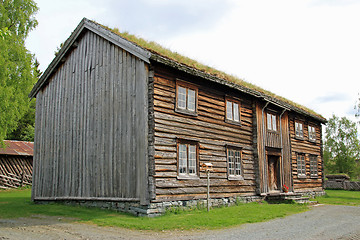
233,122
299,138
187,112
312,141
314,177
188,177
302,176
235,178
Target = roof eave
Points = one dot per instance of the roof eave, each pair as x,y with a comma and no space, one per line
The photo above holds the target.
166,61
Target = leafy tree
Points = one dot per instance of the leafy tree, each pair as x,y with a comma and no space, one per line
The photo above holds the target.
26,125
17,70
341,147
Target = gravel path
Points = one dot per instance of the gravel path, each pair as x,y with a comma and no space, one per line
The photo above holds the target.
322,222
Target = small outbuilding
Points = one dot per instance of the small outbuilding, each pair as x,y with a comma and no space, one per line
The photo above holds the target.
16,164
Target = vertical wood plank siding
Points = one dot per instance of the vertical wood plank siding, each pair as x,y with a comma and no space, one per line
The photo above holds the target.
91,125
280,141
308,148
211,132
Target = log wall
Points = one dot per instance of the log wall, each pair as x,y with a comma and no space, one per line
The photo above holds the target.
304,146
211,132
15,171
91,126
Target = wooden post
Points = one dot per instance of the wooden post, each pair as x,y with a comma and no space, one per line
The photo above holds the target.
208,189
208,167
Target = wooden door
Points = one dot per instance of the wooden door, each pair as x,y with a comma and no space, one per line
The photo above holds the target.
273,173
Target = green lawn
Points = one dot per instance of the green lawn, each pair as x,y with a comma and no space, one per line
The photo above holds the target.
16,203
340,197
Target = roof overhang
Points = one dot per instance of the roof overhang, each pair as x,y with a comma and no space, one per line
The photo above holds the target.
252,92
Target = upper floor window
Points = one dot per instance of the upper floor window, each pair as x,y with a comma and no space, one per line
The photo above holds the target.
271,122
313,166
187,159
234,164
301,165
186,98
233,110
299,130
312,134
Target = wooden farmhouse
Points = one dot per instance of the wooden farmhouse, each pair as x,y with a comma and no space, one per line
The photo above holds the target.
125,125
16,164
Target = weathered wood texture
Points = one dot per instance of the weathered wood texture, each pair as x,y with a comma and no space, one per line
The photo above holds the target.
211,132
91,125
15,171
304,146
277,141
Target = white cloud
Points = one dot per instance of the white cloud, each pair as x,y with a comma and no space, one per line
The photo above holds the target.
301,50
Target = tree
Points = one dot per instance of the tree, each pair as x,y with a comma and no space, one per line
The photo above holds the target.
357,107
25,129
341,147
17,70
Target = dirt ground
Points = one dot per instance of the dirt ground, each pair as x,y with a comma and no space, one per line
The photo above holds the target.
322,222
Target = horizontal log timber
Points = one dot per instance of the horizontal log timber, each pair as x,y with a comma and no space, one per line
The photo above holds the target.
161,198
169,183
202,190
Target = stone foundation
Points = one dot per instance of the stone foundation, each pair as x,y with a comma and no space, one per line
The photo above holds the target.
157,209
311,194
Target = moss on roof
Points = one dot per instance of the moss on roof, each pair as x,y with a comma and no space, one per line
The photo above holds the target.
167,53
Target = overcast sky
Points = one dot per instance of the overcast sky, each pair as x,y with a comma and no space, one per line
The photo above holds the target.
305,50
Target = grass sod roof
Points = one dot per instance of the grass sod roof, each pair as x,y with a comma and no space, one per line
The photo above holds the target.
156,48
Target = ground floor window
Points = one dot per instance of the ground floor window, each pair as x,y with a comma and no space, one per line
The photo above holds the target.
301,165
313,166
235,170
187,159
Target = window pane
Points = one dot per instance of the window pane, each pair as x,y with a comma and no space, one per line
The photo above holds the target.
181,97
236,112
301,165
269,125
191,100
182,158
237,163
301,130
273,122
312,135
229,111
192,159
313,165
231,162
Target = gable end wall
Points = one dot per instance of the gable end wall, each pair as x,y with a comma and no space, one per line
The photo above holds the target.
91,128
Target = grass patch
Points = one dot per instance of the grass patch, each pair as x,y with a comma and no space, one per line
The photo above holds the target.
16,203
340,197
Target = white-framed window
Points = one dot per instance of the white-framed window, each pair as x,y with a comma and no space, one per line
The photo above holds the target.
313,166
271,122
187,159
234,156
299,132
301,165
233,110
186,98
312,134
